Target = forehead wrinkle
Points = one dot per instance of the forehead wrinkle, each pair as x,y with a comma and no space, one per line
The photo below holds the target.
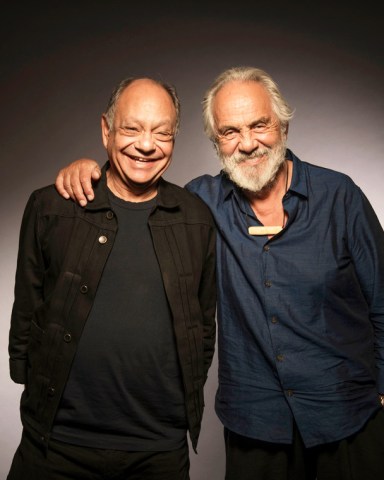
147,104
241,104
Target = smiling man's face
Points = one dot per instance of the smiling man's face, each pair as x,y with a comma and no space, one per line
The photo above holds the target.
140,142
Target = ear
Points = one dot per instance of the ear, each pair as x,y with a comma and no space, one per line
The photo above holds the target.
105,131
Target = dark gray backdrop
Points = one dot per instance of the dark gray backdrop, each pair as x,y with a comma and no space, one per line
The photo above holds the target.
59,64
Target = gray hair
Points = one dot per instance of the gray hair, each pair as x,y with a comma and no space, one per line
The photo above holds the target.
111,107
245,74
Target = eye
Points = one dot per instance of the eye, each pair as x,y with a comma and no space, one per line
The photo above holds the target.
259,127
228,134
129,130
163,136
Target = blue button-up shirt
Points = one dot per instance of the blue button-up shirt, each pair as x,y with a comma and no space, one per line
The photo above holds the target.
300,315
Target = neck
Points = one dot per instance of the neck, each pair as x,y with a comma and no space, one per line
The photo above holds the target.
269,208
131,192
272,195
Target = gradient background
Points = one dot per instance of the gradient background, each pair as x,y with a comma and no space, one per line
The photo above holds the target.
60,63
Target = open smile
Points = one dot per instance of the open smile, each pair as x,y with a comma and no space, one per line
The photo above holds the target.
142,160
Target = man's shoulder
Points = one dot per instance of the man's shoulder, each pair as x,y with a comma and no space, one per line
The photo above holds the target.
203,182
208,187
46,200
211,189
46,193
322,177
329,177
187,199
44,190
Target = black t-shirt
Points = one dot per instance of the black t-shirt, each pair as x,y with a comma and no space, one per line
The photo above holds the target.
125,389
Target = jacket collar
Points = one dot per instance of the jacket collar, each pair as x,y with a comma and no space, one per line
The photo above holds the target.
101,200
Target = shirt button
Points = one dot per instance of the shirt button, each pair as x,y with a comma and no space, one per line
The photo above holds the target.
83,289
274,319
268,283
103,239
266,248
109,215
280,357
67,337
289,393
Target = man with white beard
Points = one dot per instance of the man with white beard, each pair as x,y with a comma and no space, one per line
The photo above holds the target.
300,274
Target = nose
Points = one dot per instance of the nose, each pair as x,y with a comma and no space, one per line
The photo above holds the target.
247,143
145,142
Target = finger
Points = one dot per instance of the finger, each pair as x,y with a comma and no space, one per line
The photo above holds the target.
96,173
59,184
68,186
86,181
77,188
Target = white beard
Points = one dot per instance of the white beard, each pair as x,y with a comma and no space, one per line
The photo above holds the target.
255,178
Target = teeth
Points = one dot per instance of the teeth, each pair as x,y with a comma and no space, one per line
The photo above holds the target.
140,159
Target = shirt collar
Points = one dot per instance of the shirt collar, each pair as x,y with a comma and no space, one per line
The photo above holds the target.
299,182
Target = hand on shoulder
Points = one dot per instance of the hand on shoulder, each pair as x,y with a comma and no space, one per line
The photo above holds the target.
75,180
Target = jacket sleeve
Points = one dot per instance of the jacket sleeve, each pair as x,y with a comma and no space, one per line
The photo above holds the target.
366,240
27,291
207,297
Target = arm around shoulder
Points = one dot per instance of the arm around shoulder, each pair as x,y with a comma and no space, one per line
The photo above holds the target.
75,180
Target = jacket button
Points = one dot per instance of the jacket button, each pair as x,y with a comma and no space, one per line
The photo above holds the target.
83,289
109,215
51,391
103,239
67,337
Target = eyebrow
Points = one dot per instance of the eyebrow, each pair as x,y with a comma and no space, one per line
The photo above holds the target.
161,124
255,122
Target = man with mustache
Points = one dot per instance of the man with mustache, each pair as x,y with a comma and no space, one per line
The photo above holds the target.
300,271
113,323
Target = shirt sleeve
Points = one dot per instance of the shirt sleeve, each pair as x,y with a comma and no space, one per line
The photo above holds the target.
366,242
207,297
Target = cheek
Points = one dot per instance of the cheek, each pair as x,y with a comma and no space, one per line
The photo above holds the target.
272,139
226,150
111,144
124,149
167,152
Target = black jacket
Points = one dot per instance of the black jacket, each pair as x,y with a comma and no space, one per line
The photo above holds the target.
62,253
